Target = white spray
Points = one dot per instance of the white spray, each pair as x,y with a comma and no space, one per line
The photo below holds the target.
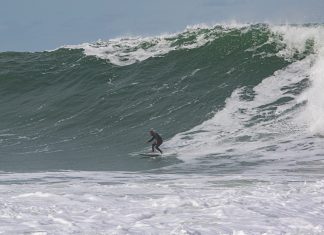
296,38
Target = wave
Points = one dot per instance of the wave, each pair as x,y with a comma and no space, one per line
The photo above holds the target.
210,91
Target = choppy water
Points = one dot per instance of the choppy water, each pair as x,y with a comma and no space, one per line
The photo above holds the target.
240,109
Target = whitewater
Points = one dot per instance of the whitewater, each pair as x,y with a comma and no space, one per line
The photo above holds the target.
240,108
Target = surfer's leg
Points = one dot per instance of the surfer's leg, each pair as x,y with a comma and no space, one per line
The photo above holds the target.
157,147
153,145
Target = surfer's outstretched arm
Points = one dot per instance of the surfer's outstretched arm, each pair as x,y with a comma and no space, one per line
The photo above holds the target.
151,139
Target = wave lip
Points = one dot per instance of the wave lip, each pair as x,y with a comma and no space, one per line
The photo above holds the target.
128,50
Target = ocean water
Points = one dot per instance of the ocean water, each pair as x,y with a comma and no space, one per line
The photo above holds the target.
240,108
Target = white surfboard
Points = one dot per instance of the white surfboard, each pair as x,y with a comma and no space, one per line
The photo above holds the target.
150,154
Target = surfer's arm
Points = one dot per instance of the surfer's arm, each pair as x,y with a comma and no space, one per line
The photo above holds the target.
151,139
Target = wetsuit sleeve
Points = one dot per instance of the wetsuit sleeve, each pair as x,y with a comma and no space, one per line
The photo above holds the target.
151,139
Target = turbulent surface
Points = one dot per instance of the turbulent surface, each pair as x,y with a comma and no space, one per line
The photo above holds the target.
104,203
240,109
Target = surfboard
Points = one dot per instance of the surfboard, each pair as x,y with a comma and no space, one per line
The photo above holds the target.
150,154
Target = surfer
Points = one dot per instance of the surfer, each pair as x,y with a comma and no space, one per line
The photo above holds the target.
158,140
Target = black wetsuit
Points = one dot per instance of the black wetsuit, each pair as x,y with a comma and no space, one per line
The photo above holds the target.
158,141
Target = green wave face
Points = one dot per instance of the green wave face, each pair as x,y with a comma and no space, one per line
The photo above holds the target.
68,110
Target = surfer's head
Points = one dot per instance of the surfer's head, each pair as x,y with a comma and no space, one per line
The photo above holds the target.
152,131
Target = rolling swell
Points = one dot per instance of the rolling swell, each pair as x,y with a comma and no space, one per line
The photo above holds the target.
66,110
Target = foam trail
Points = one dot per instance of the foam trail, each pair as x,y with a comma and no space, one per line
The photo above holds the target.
243,119
314,112
296,38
